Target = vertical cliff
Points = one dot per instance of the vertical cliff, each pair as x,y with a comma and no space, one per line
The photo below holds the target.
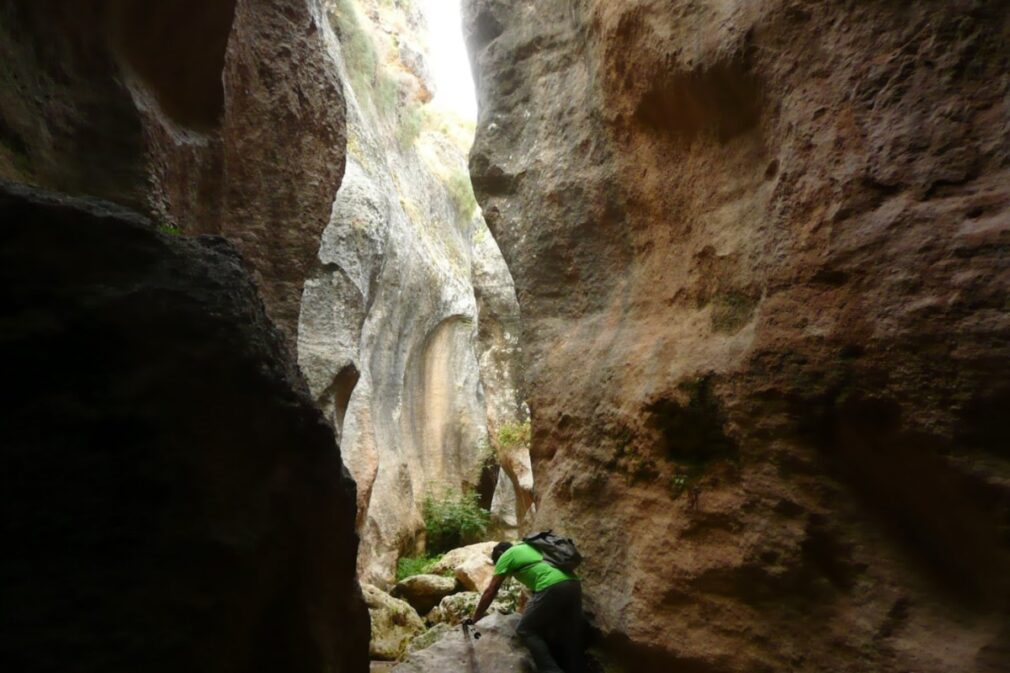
396,346
761,254
176,500
216,117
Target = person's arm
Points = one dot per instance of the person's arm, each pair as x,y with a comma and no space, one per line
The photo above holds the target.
487,597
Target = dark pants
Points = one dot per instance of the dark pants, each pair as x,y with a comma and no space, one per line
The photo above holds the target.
554,617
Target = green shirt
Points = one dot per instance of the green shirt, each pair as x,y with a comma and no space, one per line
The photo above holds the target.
529,567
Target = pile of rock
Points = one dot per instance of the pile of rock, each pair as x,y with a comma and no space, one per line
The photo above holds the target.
445,596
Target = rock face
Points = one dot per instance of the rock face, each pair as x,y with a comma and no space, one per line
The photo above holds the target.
497,651
388,335
173,500
761,254
218,117
394,624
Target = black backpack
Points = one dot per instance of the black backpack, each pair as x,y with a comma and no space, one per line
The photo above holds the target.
559,551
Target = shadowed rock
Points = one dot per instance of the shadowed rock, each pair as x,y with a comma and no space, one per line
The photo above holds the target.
496,651
173,501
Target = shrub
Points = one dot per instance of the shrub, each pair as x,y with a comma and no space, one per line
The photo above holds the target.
386,96
410,127
454,520
514,436
359,50
461,194
408,566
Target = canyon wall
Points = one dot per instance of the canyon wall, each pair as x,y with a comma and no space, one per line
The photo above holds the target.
761,250
406,271
173,500
215,117
176,500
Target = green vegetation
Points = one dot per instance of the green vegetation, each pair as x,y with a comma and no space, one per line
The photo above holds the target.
170,229
367,75
408,566
454,520
514,436
461,194
385,95
357,45
411,124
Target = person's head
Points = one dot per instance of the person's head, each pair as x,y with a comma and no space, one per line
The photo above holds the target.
500,549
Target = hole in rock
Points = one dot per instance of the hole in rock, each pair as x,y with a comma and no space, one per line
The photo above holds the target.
724,99
692,424
178,50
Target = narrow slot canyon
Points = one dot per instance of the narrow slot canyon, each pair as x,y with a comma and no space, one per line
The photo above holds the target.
309,305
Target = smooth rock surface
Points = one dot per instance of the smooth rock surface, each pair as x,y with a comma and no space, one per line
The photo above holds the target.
394,624
497,651
761,253
390,335
424,592
173,500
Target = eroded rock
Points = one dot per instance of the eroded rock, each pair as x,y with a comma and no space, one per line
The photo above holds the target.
496,651
760,252
394,624
222,117
392,339
173,500
459,606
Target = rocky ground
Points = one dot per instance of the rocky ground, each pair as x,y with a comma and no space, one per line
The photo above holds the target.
423,610
760,250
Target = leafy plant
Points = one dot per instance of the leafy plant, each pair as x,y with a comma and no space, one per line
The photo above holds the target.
408,566
170,229
514,436
454,520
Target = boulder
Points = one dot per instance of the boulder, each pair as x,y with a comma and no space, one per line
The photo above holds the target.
471,565
431,636
424,592
457,607
454,609
496,651
157,434
394,624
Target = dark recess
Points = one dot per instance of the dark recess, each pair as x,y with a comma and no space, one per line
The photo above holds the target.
178,49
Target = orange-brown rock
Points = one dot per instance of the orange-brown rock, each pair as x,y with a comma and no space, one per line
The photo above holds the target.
761,252
216,117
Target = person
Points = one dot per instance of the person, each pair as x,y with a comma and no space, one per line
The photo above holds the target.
553,615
